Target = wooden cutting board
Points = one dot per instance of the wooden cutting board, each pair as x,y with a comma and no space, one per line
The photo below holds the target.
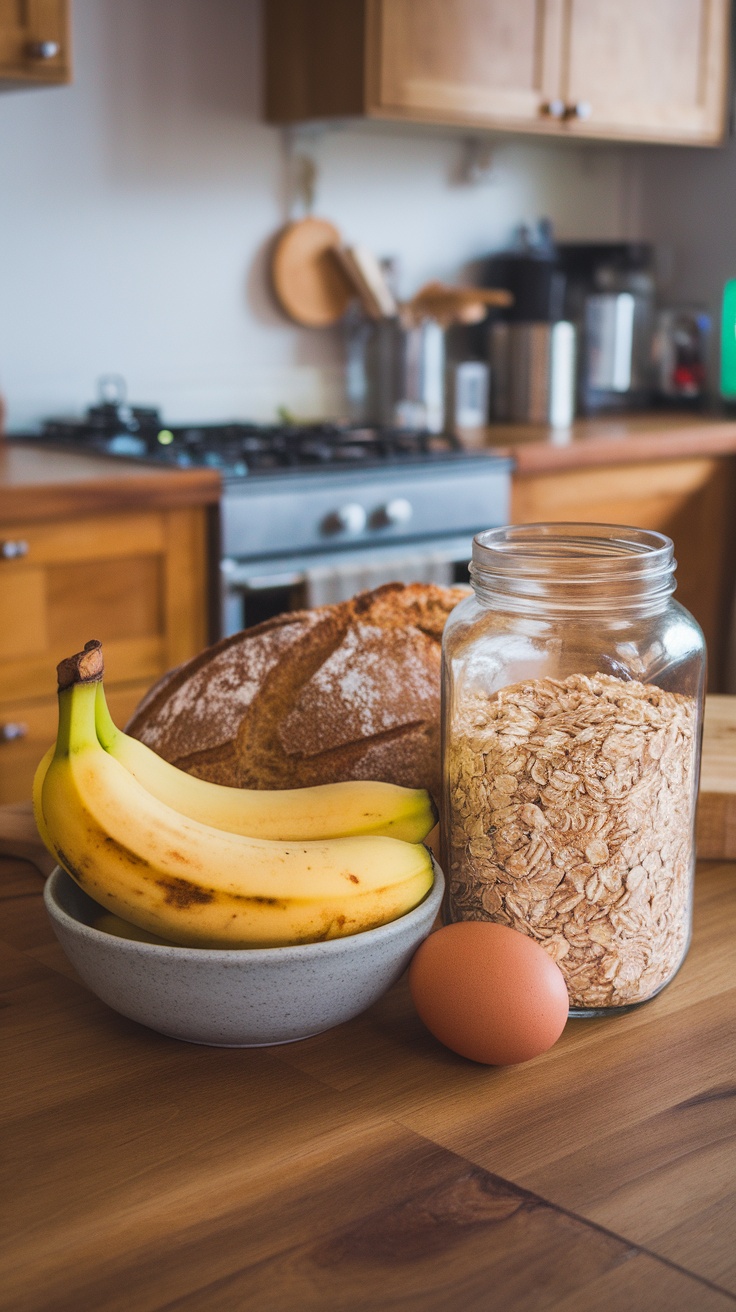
309,282
716,831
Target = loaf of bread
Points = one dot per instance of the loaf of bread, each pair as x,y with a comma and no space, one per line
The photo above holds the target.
350,691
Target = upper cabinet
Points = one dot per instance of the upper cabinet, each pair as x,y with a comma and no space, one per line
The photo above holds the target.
466,59
640,70
648,69
34,42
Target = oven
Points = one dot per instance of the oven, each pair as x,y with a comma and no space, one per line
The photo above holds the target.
316,537
313,513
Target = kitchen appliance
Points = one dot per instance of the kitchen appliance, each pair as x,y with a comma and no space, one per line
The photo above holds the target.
532,348
530,271
533,372
311,513
680,354
609,296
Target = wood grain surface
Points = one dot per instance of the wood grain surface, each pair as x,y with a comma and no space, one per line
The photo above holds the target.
39,483
717,801
368,1167
613,440
310,283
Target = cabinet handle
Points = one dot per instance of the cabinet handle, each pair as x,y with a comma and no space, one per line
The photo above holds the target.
554,108
582,109
13,549
9,733
44,49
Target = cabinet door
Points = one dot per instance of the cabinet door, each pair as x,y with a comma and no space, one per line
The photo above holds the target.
467,60
136,581
28,728
34,41
690,500
646,69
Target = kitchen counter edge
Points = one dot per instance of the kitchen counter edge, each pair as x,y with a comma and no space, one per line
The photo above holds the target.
611,440
39,483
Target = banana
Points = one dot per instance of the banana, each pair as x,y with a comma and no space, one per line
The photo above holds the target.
325,811
38,779
119,928
192,883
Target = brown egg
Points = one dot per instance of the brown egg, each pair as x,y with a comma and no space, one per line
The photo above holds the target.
488,992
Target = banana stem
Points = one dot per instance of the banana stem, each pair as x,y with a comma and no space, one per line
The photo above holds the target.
76,719
78,677
107,730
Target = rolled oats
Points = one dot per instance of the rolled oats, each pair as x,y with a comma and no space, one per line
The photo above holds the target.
572,818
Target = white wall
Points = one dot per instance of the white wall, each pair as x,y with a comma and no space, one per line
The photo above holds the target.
137,206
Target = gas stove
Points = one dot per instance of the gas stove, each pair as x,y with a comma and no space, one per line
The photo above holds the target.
239,449
312,512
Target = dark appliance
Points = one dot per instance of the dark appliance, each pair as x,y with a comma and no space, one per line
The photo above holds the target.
610,297
532,348
531,271
310,512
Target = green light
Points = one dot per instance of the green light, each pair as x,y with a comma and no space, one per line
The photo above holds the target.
728,341
165,437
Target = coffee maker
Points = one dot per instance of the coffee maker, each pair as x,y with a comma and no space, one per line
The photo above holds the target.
610,297
532,345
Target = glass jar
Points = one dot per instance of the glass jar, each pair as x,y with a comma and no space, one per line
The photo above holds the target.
572,709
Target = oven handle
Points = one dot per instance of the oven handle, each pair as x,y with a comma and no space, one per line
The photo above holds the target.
285,572
237,577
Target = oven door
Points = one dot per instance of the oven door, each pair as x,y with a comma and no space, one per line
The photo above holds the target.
308,539
257,589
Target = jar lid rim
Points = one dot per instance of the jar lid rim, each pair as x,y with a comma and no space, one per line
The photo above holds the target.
587,544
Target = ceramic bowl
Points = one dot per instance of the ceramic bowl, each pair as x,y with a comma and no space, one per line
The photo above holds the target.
249,997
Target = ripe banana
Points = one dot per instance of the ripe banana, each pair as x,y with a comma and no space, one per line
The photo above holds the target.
190,882
119,928
325,811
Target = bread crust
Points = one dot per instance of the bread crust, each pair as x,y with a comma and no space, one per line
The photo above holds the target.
349,691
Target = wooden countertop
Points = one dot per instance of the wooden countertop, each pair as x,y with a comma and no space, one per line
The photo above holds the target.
612,440
368,1167
43,483
38,483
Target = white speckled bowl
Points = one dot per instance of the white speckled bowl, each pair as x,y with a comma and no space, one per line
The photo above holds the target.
236,998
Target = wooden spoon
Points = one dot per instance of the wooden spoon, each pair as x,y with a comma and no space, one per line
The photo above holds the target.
448,305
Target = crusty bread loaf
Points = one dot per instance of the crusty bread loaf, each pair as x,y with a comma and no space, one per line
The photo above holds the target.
350,691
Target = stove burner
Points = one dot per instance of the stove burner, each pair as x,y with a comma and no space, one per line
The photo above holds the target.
241,449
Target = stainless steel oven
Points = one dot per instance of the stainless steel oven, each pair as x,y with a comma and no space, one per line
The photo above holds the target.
320,536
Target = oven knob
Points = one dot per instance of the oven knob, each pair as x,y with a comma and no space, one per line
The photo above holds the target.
348,519
396,512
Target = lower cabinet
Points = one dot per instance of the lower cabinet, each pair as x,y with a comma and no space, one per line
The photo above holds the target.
27,729
138,582
692,501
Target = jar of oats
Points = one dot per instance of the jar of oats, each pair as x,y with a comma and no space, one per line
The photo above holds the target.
572,706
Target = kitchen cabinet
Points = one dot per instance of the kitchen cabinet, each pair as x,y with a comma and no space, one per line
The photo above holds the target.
606,69
136,580
34,42
691,500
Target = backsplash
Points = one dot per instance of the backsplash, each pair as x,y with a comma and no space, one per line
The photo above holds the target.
139,205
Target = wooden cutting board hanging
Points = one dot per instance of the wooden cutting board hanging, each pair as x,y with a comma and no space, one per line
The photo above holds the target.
308,281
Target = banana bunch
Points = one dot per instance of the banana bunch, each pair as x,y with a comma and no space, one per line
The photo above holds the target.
178,857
